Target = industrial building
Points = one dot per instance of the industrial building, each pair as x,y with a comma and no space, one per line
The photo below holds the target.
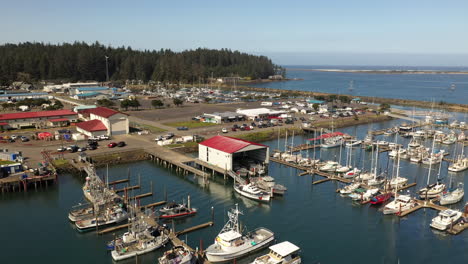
38,119
21,96
103,121
224,152
225,117
255,113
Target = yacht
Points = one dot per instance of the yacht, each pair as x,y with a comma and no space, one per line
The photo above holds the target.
268,184
454,196
178,255
400,204
231,243
282,253
445,219
251,191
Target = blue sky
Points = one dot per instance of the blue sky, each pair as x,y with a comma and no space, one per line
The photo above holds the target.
347,32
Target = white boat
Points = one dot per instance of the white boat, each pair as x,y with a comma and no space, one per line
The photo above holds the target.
350,188
445,219
171,207
376,181
434,158
342,169
268,184
282,253
450,139
178,255
352,173
432,191
231,243
396,152
142,246
330,166
352,143
398,182
460,165
332,142
111,216
364,196
81,212
252,192
400,204
381,143
366,176
454,196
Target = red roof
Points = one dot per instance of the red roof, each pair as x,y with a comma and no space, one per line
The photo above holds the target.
100,111
329,135
59,120
228,144
3,124
92,125
26,115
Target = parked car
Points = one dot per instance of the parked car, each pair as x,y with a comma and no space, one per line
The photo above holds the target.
224,130
94,138
81,149
73,148
61,149
24,139
121,144
112,145
182,128
91,147
13,137
10,140
104,137
234,129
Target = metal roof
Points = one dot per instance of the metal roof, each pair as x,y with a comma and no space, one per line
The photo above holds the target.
228,144
88,94
100,111
92,125
229,235
284,248
26,115
97,88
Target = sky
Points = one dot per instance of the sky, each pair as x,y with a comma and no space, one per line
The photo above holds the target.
313,32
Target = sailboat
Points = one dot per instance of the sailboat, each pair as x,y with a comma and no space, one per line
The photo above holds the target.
231,243
452,197
398,181
461,162
435,189
377,180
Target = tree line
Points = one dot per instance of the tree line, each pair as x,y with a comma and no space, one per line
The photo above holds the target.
80,61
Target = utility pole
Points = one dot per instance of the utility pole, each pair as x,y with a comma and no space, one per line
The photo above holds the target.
107,69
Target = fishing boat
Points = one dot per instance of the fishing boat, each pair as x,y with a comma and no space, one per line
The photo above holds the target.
144,244
251,191
381,198
332,142
80,212
454,196
400,204
350,188
178,255
231,243
110,216
179,212
282,253
268,184
171,206
445,219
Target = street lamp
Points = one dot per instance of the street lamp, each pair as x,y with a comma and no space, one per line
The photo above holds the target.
107,69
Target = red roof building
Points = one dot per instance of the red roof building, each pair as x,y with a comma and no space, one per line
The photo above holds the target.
228,144
99,111
41,114
91,126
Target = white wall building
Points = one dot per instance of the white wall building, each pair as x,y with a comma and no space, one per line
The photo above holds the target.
116,123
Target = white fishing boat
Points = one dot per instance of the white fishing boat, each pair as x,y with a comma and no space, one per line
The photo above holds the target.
350,188
81,212
178,255
268,184
231,243
400,204
282,253
332,142
143,245
330,166
452,197
110,216
445,219
251,191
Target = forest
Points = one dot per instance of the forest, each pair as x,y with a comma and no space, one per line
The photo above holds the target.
79,61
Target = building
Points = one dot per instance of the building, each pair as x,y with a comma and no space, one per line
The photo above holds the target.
225,117
255,113
67,87
224,152
38,119
21,96
114,122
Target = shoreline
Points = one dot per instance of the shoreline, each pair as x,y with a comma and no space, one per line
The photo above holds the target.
382,71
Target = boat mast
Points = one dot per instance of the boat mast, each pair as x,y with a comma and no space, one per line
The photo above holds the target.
376,162
430,162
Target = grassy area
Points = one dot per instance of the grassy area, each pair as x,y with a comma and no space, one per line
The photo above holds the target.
189,124
150,128
6,162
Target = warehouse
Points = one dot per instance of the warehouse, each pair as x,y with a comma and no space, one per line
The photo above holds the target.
37,119
115,122
255,113
92,128
225,117
225,152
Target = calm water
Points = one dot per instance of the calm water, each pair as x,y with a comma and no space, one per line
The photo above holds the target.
329,228
426,87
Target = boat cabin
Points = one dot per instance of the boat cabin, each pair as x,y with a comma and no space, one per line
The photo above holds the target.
284,251
230,238
448,213
404,198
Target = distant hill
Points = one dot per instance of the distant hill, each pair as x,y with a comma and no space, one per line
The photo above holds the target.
82,61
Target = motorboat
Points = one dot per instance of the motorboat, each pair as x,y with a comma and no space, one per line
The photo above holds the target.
231,243
170,207
251,191
434,158
178,255
450,139
382,143
353,143
432,190
445,219
381,198
268,184
405,128
350,188
282,253
179,212
364,195
80,212
330,166
352,173
454,196
395,152
332,142
342,169
400,204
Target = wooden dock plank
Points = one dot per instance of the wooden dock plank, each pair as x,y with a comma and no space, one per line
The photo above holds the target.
127,188
194,228
111,229
118,181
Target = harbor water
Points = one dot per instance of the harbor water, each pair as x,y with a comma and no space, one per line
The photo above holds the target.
422,87
328,228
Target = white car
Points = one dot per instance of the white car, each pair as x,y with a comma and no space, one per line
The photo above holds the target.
104,137
14,137
95,138
224,130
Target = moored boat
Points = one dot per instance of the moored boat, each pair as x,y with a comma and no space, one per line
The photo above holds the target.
445,219
251,191
282,253
178,255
